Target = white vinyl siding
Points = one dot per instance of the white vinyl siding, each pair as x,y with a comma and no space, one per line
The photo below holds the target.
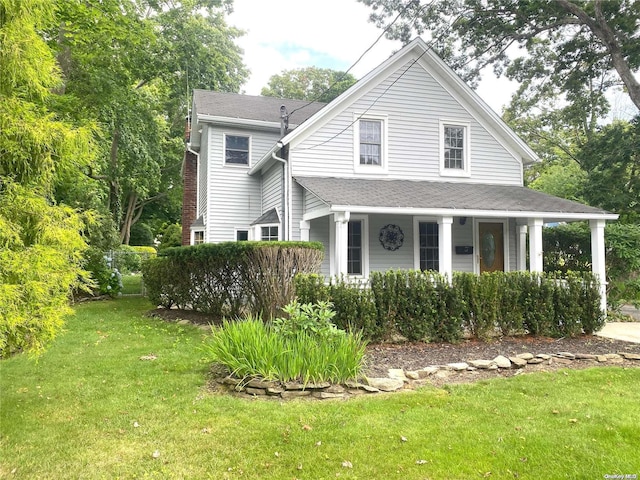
462,235
381,259
272,188
319,232
413,106
235,198
202,177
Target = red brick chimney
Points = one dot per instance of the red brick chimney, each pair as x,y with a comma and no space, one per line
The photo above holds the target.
189,187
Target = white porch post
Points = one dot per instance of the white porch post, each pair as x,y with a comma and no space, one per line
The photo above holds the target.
522,248
305,227
341,220
597,258
535,245
445,246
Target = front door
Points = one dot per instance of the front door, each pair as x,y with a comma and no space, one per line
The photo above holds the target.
491,246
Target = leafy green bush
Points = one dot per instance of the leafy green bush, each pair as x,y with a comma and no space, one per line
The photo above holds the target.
171,236
289,350
107,280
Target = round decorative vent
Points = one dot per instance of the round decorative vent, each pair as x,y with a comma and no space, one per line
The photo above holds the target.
391,237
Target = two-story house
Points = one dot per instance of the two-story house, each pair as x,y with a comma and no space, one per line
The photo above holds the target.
408,169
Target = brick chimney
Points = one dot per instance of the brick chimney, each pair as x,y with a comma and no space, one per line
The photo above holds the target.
189,186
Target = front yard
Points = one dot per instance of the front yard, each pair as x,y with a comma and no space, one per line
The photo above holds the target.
120,395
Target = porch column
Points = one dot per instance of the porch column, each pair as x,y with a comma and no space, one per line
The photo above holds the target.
341,220
535,245
522,248
305,226
444,246
597,258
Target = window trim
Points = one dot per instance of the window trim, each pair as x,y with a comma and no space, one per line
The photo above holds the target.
193,236
384,133
466,155
241,229
268,225
416,239
224,150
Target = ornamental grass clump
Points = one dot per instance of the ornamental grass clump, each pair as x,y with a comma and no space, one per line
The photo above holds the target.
305,346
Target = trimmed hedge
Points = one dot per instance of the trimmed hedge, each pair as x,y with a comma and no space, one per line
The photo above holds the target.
425,306
223,279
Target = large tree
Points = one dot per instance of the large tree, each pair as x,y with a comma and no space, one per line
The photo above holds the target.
129,65
310,83
568,45
40,241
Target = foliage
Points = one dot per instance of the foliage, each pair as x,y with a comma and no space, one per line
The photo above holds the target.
565,46
40,264
171,236
310,83
141,235
568,248
314,319
425,306
107,279
222,279
288,350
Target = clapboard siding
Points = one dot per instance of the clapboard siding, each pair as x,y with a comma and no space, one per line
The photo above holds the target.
202,178
381,259
319,232
296,210
311,202
462,235
235,198
414,106
272,188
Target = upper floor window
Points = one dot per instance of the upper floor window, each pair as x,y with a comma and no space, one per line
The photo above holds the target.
236,150
370,134
454,149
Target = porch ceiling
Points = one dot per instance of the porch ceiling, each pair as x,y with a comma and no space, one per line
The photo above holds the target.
457,199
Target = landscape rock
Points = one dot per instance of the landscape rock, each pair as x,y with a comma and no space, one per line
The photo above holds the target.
295,393
568,355
543,356
425,372
481,363
458,366
386,384
561,360
535,360
631,356
502,361
255,391
525,356
260,383
518,362
412,375
602,358
397,373
585,356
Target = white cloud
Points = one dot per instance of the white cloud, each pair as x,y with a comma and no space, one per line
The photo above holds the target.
287,34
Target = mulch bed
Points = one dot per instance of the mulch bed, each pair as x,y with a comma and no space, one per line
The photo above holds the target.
414,356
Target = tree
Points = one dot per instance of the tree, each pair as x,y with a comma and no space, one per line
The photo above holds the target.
128,65
569,45
40,241
311,83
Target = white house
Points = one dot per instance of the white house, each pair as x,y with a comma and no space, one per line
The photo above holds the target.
407,169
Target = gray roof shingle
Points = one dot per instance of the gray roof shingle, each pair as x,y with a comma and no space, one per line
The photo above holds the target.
439,195
252,107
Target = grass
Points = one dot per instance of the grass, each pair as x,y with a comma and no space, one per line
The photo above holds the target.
90,408
132,284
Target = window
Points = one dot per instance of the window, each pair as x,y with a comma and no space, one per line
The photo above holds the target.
269,234
428,245
236,150
242,235
370,142
354,248
454,149
198,237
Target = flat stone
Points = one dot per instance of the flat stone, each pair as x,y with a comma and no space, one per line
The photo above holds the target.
230,381
183,322
502,361
535,360
561,360
631,356
356,391
442,373
261,383
472,369
274,390
481,363
493,366
294,386
458,366
568,355
295,393
335,389
255,391
412,375
326,395
613,356
386,384
525,356
585,356
602,358
543,356
318,386
518,362
425,372
397,373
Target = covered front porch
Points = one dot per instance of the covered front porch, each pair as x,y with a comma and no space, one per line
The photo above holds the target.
398,224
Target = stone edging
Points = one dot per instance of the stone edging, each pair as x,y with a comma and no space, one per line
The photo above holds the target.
400,378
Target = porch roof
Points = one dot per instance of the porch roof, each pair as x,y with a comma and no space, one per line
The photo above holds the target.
445,198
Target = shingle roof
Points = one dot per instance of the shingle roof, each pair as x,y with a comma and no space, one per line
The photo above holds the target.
439,195
252,107
270,216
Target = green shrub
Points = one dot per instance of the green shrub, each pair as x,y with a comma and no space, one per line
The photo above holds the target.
307,318
171,236
107,280
287,351
141,234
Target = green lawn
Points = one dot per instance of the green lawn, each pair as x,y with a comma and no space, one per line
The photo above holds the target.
90,408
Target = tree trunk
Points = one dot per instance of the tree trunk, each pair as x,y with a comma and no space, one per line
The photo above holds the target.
125,231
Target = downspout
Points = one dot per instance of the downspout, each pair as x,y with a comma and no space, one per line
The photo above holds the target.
286,193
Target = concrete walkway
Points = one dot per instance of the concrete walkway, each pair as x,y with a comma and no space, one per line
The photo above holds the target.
627,331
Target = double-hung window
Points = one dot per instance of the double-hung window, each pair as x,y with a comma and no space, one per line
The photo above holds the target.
198,237
236,150
370,134
354,248
454,149
269,233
